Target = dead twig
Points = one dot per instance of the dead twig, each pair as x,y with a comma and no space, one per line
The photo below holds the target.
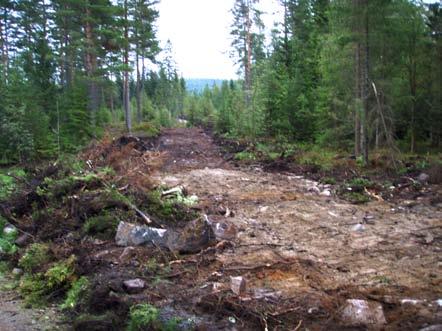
298,326
267,265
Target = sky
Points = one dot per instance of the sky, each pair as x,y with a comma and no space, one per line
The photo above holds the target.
199,31
200,34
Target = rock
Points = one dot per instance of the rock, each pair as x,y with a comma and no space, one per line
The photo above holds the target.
17,272
133,286
224,231
23,240
437,327
238,285
326,193
358,228
9,229
314,189
194,237
363,313
135,235
423,178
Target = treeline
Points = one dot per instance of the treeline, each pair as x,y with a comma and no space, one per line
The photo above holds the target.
352,75
69,67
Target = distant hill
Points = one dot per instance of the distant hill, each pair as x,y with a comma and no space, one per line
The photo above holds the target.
198,84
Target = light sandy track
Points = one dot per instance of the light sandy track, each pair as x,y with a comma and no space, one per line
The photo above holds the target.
282,216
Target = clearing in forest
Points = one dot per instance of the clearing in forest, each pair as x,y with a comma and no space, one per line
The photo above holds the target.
289,253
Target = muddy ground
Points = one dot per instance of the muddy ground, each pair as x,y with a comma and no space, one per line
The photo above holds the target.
302,250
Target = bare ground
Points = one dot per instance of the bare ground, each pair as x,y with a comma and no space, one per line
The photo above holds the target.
302,252
304,246
14,317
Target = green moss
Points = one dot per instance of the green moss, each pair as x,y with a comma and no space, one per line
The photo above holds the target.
61,273
142,317
4,267
101,226
360,183
76,294
328,180
355,197
245,156
169,210
56,188
35,257
172,324
33,289
37,287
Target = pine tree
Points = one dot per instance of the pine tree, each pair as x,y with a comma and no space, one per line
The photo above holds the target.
247,40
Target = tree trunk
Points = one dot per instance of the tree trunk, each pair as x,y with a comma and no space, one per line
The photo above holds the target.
4,43
362,61
91,67
138,87
126,94
357,112
365,87
248,58
413,106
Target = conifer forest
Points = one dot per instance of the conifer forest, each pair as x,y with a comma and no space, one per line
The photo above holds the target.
302,193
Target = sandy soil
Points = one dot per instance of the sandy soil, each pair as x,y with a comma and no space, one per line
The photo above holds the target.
379,251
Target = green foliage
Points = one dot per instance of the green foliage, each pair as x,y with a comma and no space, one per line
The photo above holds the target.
4,268
360,183
60,273
316,156
7,240
146,129
355,197
170,209
245,156
35,256
103,226
76,293
33,289
142,317
8,182
37,287
328,180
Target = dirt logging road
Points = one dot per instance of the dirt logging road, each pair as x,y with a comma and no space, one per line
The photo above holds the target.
289,254
303,251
